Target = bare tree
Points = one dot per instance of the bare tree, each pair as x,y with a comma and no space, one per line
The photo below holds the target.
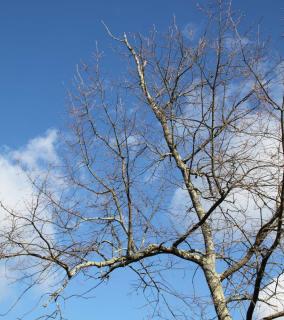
177,164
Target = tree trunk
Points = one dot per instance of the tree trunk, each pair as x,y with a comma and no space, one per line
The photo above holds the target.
216,290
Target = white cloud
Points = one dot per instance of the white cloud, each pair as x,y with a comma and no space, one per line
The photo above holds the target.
38,150
273,295
18,194
16,166
178,210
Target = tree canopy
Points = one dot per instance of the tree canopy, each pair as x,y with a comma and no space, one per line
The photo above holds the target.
175,165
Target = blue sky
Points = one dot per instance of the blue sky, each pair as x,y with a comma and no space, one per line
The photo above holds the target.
42,41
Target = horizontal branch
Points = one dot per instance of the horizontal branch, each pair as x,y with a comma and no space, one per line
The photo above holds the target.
274,316
151,250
